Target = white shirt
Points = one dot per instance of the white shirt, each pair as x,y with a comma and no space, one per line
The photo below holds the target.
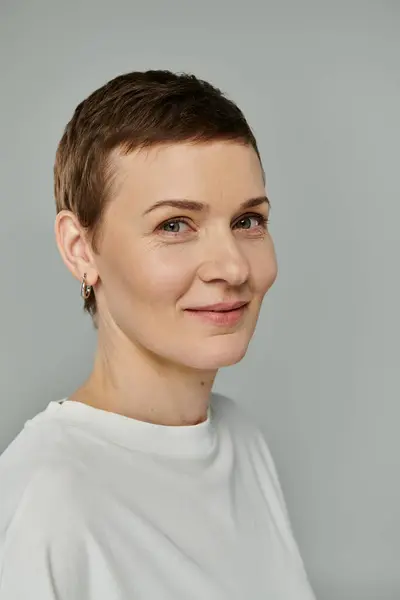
98,506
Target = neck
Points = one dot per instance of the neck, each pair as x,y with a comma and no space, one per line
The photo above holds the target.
129,380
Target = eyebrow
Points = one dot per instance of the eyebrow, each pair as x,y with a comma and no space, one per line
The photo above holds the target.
200,207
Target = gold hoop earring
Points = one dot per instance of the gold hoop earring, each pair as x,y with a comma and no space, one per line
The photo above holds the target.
85,289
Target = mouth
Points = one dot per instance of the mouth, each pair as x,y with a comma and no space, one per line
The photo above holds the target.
227,314
221,306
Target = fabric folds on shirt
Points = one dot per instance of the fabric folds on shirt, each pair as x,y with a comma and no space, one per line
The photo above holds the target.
98,506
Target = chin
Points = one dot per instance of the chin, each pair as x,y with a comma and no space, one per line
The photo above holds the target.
217,356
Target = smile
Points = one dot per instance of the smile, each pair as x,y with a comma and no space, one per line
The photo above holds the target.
219,316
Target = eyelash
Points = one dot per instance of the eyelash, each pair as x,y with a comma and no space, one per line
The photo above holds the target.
263,222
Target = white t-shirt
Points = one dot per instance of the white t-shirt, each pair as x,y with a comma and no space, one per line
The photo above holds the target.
98,506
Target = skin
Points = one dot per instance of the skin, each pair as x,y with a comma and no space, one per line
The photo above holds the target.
155,361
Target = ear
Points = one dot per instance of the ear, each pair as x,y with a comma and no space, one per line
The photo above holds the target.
74,247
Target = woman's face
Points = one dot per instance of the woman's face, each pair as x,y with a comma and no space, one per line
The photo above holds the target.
177,237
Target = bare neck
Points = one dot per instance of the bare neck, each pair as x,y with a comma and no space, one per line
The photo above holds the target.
131,381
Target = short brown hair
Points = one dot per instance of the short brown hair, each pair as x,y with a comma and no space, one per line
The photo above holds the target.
134,111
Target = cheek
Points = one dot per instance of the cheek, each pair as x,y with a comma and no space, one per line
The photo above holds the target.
264,268
157,276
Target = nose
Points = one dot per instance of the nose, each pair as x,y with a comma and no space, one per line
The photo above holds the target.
224,261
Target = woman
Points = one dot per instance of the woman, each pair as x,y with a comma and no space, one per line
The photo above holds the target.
143,484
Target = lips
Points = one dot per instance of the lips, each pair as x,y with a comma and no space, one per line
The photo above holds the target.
220,307
224,314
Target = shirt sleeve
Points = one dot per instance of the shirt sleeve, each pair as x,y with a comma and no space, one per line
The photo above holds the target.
278,504
42,555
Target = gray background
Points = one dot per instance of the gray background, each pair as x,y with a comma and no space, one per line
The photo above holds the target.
320,84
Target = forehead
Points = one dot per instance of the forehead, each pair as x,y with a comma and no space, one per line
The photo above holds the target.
198,171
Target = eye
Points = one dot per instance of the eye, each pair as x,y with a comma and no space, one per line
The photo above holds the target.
247,221
173,226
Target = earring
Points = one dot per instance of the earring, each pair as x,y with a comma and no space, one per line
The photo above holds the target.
85,289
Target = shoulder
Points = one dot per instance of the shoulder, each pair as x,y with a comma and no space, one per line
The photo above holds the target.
42,534
40,478
248,436
230,411
50,502
246,432
44,524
